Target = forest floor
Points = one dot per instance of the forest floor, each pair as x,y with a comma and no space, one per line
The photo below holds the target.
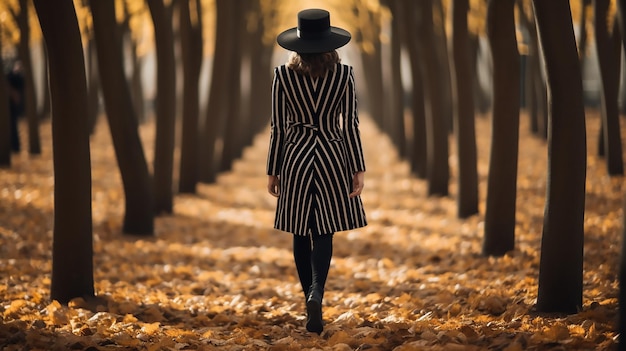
217,275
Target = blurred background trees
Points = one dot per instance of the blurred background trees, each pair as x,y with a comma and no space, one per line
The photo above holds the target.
200,71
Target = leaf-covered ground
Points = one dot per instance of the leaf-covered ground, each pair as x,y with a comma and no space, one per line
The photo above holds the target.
217,276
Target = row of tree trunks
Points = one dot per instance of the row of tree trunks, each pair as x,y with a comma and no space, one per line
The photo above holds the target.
72,275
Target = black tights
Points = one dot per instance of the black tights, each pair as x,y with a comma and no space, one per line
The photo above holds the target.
312,259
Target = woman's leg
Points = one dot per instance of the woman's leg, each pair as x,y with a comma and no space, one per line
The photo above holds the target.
320,263
320,259
302,257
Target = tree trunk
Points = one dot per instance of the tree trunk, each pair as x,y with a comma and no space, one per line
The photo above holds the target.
372,65
45,100
607,49
394,93
437,168
418,139
582,41
191,48
218,97
467,200
260,106
441,44
72,251
5,121
30,100
136,179
231,144
535,89
93,94
561,265
502,181
165,107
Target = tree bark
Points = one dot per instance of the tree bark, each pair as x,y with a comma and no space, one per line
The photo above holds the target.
191,48
372,64
30,100
72,251
136,179
231,139
608,54
418,140
165,107
260,53
5,121
499,236
218,97
535,88
394,92
561,265
93,84
437,168
467,198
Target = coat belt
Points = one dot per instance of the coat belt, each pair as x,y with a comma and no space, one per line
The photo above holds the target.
305,125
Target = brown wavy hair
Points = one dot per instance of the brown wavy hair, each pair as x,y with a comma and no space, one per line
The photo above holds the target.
314,65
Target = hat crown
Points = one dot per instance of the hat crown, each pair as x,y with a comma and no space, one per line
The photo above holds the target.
313,24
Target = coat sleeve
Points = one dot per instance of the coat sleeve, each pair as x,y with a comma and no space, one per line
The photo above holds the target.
352,135
277,127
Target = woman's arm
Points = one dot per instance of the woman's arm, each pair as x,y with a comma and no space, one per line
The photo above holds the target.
351,131
277,127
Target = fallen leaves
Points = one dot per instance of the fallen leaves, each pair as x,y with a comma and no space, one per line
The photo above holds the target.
217,276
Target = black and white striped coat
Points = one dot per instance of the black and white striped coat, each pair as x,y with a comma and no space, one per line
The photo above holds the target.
315,148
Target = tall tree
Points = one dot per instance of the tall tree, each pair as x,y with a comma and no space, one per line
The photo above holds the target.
499,236
368,35
72,251
394,91
231,116
165,106
191,47
418,154
5,122
464,129
561,265
535,90
607,48
218,96
261,47
136,179
30,100
437,169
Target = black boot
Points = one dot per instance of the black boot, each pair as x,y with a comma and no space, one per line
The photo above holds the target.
314,321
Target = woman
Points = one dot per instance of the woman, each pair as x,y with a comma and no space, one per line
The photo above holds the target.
315,162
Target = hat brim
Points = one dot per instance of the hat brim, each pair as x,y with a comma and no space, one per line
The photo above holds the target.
289,40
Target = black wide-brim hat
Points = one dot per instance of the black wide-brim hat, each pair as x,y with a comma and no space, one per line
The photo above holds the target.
314,34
